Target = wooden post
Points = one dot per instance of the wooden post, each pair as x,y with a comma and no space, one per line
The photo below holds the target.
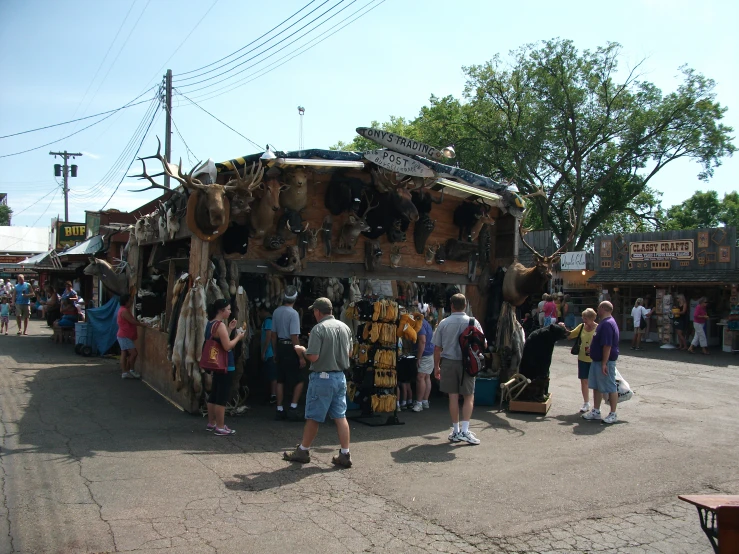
199,258
171,277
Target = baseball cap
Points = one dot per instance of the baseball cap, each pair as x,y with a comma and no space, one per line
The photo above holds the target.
322,305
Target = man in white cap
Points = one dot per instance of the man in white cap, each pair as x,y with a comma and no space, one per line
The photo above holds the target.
285,335
328,352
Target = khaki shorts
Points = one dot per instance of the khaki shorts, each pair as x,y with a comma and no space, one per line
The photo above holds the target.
427,365
23,311
454,379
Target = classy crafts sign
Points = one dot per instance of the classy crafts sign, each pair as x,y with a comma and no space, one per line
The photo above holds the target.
398,162
572,261
400,144
681,249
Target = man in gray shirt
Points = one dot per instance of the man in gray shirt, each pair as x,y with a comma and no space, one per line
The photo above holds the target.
328,352
285,335
454,379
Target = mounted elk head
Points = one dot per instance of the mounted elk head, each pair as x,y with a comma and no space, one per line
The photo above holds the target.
263,216
520,281
400,194
295,198
241,191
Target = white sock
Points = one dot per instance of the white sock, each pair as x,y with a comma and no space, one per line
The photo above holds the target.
280,409
293,405
455,427
465,426
303,447
344,450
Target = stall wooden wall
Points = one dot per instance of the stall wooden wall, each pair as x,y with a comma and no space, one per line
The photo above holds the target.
413,265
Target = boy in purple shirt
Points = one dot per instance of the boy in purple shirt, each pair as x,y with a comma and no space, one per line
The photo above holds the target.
604,353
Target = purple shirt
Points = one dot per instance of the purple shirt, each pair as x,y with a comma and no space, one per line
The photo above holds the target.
428,332
606,334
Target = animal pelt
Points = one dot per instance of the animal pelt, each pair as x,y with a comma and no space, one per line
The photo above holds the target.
422,229
343,193
222,275
233,277
509,341
236,240
213,292
537,359
179,293
242,318
178,349
196,336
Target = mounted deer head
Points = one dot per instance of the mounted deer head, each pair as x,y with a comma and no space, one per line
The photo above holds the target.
520,281
263,216
296,196
352,228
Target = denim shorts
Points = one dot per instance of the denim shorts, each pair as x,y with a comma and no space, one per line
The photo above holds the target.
583,369
326,396
126,344
602,383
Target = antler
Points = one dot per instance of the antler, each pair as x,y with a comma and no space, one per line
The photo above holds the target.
145,175
251,180
573,232
188,181
539,192
369,207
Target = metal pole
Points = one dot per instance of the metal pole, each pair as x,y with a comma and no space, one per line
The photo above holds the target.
65,173
168,130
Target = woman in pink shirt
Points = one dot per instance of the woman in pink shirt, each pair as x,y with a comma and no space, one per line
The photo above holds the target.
550,311
700,316
127,334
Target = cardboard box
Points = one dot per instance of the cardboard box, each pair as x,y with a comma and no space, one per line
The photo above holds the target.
531,407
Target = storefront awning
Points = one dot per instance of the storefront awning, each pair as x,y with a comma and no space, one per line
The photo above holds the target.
666,277
91,246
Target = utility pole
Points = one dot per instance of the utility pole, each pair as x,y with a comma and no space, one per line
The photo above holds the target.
301,112
168,124
63,171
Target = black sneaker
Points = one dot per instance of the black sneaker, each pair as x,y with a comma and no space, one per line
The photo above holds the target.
294,415
273,399
280,415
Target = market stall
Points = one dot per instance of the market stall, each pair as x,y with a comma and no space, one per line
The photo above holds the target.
660,266
395,226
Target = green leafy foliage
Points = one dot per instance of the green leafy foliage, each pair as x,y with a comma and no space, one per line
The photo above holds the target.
570,123
704,210
5,214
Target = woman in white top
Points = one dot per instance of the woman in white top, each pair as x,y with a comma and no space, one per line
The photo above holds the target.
639,313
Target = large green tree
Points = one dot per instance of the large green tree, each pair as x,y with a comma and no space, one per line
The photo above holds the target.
5,213
570,123
704,210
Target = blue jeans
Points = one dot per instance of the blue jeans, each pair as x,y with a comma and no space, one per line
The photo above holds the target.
326,396
605,384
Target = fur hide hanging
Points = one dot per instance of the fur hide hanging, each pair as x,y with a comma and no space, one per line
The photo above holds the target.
178,349
196,336
509,342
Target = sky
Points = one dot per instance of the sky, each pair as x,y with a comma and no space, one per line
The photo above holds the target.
65,60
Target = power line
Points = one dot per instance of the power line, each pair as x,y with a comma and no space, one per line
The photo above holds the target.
133,159
37,201
105,57
267,50
35,222
261,72
129,105
98,188
252,42
219,120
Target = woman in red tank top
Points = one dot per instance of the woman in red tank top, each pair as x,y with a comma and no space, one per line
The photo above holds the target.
127,334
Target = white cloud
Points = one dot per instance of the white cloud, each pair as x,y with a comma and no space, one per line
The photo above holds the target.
91,155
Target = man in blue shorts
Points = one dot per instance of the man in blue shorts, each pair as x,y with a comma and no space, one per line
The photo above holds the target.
604,353
329,348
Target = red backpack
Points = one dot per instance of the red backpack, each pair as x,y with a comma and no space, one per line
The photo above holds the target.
472,342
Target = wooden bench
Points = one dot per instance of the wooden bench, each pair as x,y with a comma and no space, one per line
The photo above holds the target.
719,519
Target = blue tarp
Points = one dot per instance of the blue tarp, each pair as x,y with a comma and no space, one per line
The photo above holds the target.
102,323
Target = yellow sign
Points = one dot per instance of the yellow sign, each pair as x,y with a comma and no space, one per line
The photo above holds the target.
681,249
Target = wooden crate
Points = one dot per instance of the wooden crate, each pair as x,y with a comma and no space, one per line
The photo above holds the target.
531,407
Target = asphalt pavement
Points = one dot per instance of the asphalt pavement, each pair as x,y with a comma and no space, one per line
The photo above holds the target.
93,463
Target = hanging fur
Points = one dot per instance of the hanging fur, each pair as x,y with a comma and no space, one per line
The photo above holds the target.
196,336
178,349
509,341
222,276
233,277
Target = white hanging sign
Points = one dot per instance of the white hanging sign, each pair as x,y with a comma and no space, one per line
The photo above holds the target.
573,261
398,162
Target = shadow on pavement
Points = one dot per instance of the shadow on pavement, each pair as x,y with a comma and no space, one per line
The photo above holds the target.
652,351
265,480
430,453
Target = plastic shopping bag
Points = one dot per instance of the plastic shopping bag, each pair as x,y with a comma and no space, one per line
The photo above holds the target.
622,387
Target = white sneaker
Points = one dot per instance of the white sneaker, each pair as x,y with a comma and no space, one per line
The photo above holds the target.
426,404
417,407
454,437
592,415
135,374
468,437
127,375
585,408
611,418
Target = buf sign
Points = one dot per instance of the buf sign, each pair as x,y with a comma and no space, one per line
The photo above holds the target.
69,234
573,261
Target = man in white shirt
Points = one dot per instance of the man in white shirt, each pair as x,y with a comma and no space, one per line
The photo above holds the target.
454,379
